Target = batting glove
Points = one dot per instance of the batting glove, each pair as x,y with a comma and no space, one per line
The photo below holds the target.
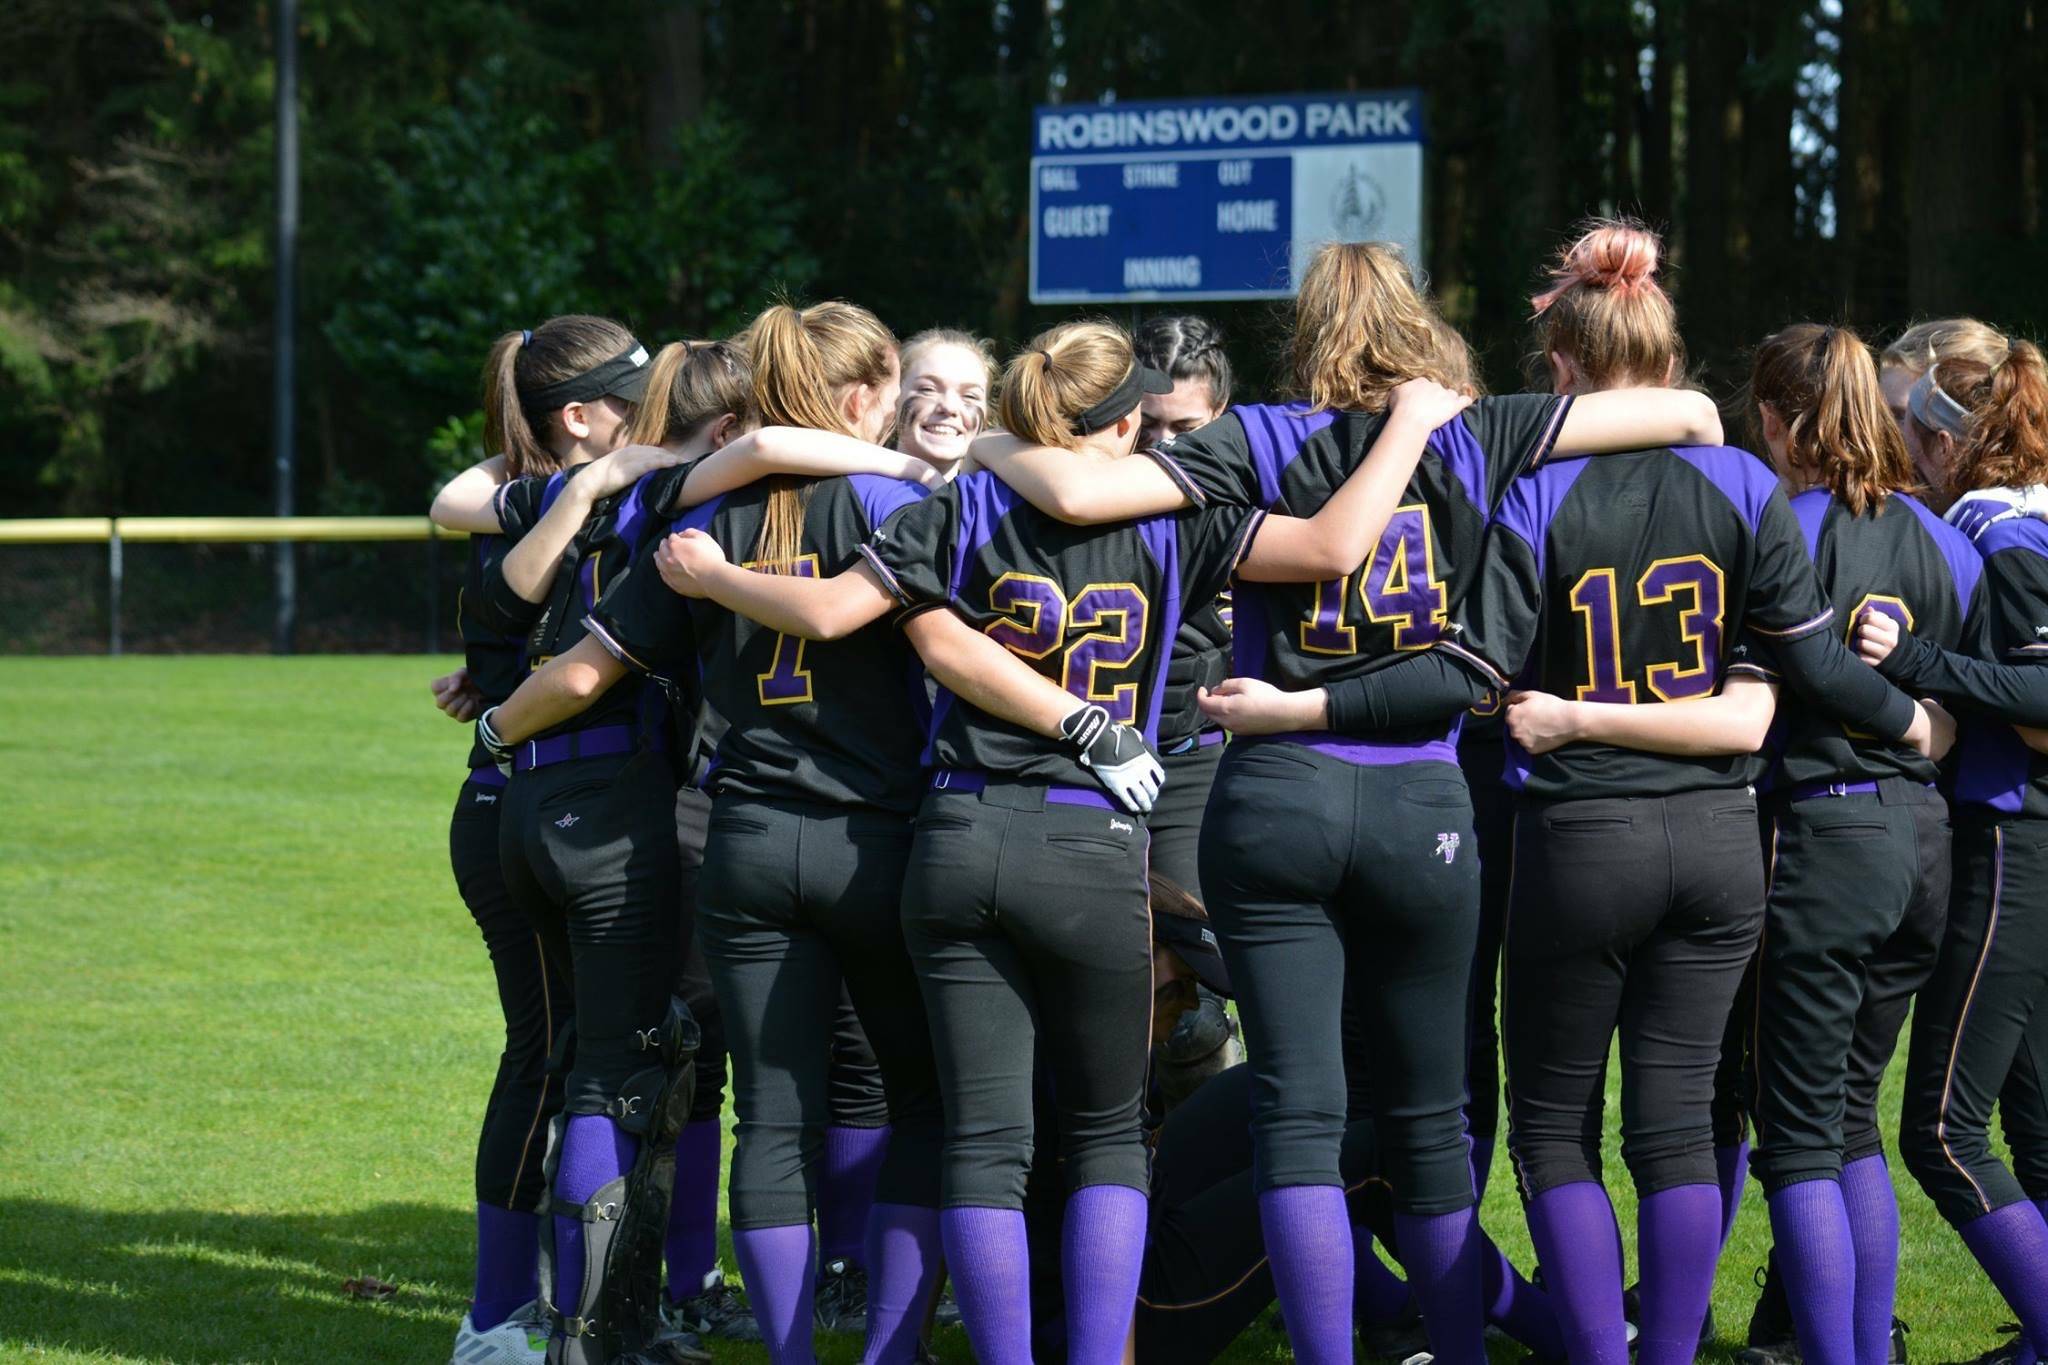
498,749
1126,766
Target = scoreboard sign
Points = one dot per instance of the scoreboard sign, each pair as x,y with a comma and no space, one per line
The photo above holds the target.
1216,199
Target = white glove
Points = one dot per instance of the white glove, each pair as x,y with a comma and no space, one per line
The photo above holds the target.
1126,766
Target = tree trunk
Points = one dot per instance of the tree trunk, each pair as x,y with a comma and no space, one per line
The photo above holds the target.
1655,116
1713,124
675,74
1963,185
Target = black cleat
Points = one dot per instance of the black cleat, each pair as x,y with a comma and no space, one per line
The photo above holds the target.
1899,1334
842,1298
716,1312
1401,1340
2008,1353
1772,1338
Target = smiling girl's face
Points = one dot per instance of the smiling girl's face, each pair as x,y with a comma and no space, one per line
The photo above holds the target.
944,404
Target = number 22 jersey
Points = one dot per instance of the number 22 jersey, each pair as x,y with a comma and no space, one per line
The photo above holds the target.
1094,608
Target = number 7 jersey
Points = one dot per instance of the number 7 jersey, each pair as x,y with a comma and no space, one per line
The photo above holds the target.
1094,608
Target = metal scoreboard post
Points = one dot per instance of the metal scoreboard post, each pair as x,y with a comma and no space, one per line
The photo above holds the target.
1216,199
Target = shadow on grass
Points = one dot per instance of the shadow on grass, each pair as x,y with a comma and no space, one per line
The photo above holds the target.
201,1286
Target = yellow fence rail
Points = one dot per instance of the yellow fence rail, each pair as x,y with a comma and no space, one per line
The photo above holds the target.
114,532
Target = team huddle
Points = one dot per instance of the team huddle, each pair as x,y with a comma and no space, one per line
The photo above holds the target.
925,754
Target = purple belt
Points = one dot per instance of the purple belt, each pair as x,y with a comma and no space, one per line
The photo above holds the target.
1806,790
1204,740
971,781
486,777
594,743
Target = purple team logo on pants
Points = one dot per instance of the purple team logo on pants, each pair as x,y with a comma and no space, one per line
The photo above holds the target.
1446,847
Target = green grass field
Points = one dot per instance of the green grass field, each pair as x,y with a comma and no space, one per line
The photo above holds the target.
248,1028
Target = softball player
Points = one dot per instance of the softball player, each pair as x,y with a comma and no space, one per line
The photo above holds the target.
1189,351
1004,959
1284,914
1638,888
947,375
556,397
1834,980
588,847
1977,427
503,1324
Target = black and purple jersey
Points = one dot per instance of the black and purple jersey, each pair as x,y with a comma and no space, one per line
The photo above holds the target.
839,722
1627,579
1899,559
1094,608
605,548
1286,458
2008,624
490,655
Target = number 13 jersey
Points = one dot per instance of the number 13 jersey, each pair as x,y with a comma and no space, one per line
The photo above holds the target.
1632,579
1094,608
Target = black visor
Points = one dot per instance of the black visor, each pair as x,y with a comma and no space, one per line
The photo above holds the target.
623,376
1124,399
1194,942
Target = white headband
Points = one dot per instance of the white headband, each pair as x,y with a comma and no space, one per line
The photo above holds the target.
1935,410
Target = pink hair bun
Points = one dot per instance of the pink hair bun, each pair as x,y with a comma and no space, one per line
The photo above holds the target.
1618,257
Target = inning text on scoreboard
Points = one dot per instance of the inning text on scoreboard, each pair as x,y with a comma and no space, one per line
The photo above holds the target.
1216,199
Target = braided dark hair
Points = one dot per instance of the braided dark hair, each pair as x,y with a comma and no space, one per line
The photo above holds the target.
1186,346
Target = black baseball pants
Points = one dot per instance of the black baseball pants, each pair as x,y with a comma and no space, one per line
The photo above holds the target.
1636,914
588,849
1309,859
795,898
1976,1021
1828,997
1028,920
532,997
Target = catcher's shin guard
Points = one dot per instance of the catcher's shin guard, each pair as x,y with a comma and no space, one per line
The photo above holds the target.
616,1319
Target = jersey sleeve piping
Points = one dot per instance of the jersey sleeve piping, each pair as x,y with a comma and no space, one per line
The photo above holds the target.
890,582
612,645
1546,441
1798,632
1493,676
1246,537
1181,478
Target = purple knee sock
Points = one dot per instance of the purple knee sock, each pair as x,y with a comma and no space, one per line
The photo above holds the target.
1517,1307
595,1151
1817,1256
1102,1249
507,1264
691,1247
776,1264
1378,1295
1442,1255
1308,1243
1731,1172
2012,1245
902,1256
990,1262
1676,1248
1873,1210
1482,1167
1578,1244
846,1189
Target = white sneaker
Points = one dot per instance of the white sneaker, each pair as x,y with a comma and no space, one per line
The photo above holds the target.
521,1339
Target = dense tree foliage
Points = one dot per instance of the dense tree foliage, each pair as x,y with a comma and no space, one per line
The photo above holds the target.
472,165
